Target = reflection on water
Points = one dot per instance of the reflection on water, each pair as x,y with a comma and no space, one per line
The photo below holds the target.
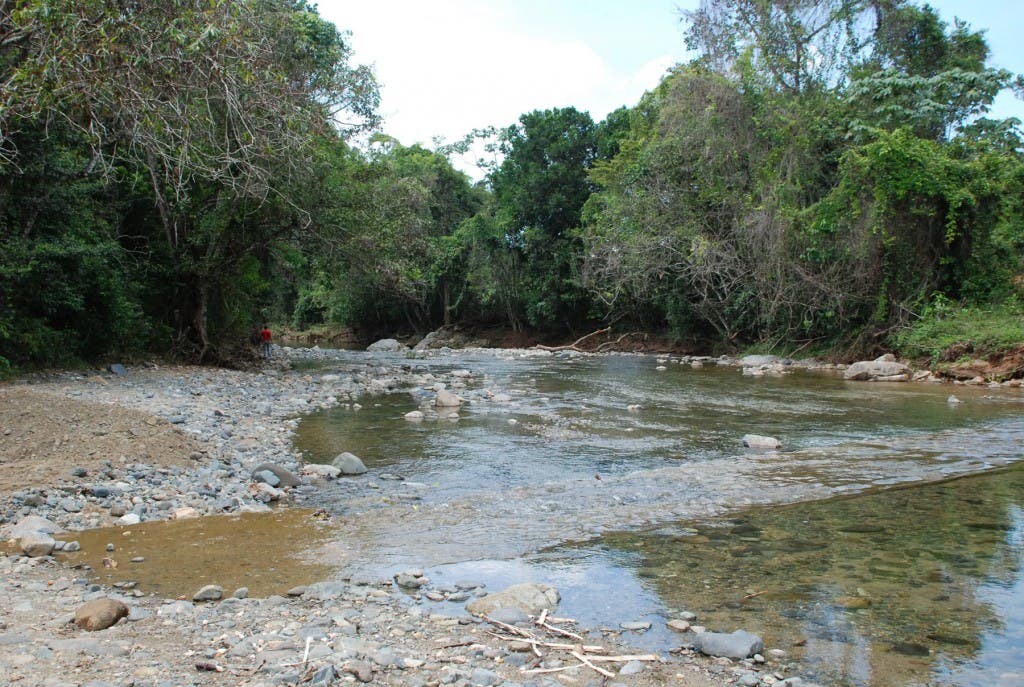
913,586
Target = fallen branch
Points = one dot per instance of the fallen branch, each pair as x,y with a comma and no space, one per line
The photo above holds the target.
560,631
583,659
611,344
751,596
574,346
554,645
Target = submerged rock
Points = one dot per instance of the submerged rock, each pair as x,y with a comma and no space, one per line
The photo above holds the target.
446,399
530,598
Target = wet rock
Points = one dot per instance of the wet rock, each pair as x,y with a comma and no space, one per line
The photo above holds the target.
758,360
530,598
953,400
414,416
324,471
99,614
411,579
349,464
637,626
284,477
387,346
446,399
38,544
210,592
758,441
739,644
867,370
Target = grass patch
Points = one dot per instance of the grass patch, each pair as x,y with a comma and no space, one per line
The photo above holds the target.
947,331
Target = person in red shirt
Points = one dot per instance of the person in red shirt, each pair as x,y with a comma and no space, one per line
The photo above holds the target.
265,338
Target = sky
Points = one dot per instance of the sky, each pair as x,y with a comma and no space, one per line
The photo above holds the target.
446,67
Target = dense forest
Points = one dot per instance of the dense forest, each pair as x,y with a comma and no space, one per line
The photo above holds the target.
822,175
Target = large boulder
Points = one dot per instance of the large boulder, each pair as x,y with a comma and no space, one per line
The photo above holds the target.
284,477
884,368
99,614
531,598
38,544
387,346
30,524
349,464
738,645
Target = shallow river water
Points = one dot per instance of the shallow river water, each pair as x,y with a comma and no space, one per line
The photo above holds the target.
628,488
642,513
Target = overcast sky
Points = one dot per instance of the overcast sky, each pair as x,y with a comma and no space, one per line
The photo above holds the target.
446,67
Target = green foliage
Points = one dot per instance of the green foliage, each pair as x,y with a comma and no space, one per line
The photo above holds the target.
947,330
770,198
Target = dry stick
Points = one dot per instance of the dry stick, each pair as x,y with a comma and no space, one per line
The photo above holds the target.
511,628
751,596
543,617
535,671
583,659
609,344
553,645
574,346
626,658
563,633
305,654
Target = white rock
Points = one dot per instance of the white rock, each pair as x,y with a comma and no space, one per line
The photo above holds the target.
414,416
758,441
318,470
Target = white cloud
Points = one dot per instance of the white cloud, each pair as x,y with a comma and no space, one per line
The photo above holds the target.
447,67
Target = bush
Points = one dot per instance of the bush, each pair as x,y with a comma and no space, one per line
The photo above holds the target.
948,331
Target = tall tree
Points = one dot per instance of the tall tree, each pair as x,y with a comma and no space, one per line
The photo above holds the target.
539,191
213,103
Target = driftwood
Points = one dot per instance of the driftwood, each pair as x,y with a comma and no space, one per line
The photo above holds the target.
574,346
612,344
586,655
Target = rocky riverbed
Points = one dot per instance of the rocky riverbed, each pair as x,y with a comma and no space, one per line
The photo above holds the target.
130,446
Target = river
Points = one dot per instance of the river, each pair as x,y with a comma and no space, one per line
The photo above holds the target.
628,487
